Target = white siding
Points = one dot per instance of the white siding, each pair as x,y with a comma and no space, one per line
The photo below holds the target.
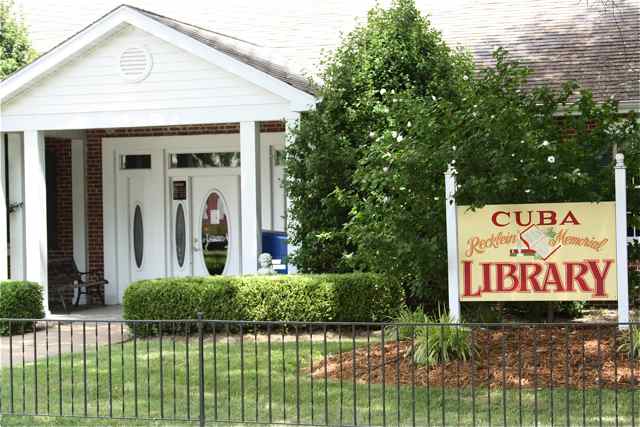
178,80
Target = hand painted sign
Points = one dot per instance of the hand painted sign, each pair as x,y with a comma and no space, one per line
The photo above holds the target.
537,252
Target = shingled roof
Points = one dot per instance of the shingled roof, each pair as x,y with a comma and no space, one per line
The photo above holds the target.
250,53
560,39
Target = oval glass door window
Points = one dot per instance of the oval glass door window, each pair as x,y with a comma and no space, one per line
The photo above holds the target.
138,236
215,234
181,240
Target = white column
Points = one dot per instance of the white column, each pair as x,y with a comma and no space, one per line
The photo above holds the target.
79,207
35,209
251,211
621,240
4,267
16,198
452,243
292,122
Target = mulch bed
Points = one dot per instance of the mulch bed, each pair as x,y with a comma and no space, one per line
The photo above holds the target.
542,357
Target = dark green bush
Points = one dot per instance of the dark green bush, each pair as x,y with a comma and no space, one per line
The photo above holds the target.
356,297
19,300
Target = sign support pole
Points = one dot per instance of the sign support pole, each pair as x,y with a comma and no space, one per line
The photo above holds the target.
452,243
621,241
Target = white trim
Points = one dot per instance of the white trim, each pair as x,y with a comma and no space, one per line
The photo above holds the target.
250,197
163,117
298,99
452,243
621,241
292,121
16,196
110,224
4,267
79,207
35,207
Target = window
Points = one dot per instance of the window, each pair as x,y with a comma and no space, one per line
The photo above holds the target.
135,161
138,236
181,240
205,160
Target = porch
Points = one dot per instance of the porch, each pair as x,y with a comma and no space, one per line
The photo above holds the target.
80,202
133,142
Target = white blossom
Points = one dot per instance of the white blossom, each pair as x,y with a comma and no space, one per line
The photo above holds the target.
465,77
399,138
433,97
528,190
385,169
545,143
453,162
409,124
394,134
551,159
436,198
383,91
454,148
372,134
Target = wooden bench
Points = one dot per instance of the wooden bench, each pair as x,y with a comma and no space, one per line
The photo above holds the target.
64,274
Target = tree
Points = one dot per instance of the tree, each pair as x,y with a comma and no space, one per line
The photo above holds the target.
398,107
508,144
395,51
15,47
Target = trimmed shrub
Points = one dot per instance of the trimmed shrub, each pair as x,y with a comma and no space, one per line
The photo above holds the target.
20,300
356,297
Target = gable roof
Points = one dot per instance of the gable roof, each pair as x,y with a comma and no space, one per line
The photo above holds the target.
233,55
560,39
249,53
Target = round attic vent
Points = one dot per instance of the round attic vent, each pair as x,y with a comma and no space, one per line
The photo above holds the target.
135,64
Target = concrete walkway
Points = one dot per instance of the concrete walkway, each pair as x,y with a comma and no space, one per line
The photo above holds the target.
70,328
107,312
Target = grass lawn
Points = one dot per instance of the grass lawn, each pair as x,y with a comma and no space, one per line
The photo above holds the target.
167,387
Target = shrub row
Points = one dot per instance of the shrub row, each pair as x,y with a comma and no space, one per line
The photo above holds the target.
354,297
20,300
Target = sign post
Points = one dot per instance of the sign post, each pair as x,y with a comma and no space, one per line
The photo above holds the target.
621,241
452,243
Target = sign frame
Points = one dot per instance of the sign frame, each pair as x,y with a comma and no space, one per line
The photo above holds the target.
620,232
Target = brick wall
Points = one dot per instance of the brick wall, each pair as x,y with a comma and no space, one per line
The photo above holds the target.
60,149
94,169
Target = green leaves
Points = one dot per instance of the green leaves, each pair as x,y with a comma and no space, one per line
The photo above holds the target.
398,106
15,47
20,300
316,298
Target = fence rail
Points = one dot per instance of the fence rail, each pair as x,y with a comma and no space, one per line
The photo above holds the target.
336,374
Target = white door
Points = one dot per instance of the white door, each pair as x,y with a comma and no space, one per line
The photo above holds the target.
145,243
215,225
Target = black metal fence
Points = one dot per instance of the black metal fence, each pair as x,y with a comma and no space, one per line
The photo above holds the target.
297,373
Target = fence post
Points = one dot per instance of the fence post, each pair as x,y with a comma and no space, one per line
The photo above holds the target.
621,240
201,417
452,243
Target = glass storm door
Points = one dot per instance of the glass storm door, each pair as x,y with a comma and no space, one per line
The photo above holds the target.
215,219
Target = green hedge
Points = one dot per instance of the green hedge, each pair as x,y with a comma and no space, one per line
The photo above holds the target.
355,297
20,300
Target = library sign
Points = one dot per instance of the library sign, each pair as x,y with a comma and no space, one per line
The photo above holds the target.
537,252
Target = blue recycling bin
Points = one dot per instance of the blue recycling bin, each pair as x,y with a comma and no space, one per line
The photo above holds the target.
275,243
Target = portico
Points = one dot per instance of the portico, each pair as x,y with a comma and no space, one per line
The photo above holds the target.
136,140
